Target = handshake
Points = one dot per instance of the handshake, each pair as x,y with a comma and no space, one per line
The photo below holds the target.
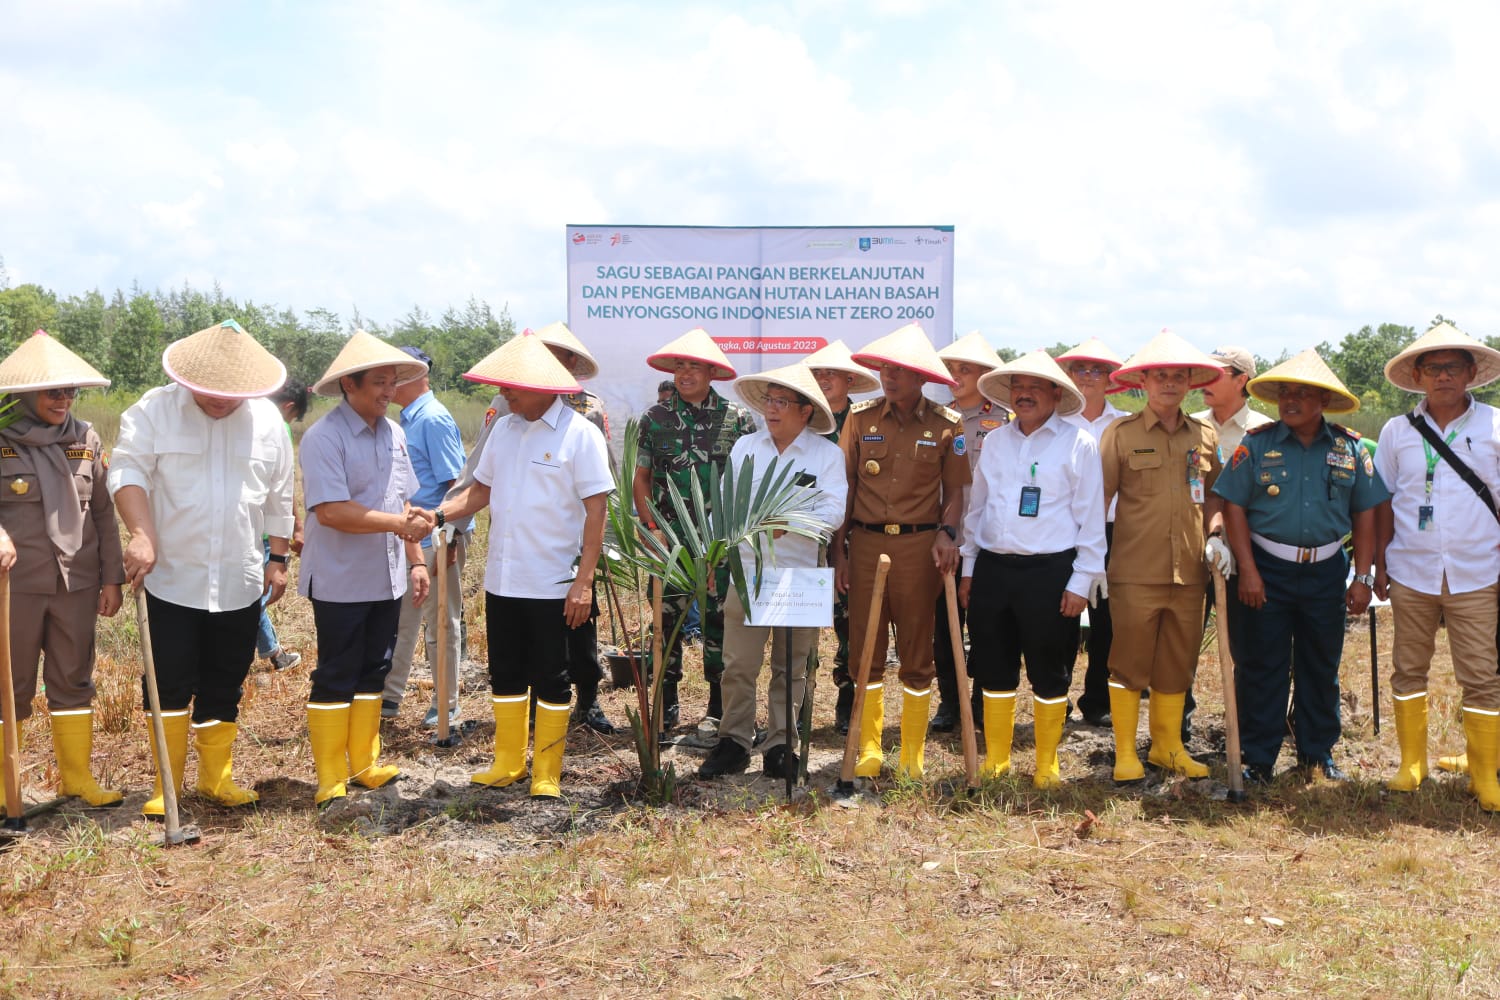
416,523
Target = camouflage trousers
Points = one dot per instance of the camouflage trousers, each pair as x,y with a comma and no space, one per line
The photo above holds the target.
675,606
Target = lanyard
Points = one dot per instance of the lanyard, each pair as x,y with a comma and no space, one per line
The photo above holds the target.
1432,456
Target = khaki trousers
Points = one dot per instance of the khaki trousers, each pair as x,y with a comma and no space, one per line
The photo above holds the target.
1470,618
911,593
1158,629
61,625
423,621
744,653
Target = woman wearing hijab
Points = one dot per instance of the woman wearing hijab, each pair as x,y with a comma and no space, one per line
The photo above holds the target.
60,546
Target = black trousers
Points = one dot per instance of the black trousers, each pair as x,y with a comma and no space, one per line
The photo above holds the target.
356,641
201,657
942,652
583,656
1014,614
1095,698
529,647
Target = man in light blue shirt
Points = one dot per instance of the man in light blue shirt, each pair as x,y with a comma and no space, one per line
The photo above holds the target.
437,455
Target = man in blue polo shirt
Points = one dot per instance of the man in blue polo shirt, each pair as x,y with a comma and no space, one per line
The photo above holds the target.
437,454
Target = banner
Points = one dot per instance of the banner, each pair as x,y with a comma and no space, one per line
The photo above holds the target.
797,597
768,296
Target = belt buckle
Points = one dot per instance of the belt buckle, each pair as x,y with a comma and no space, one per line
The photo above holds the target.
893,529
1305,555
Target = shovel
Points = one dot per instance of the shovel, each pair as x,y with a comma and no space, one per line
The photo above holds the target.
440,541
174,833
1231,706
961,672
15,820
845,785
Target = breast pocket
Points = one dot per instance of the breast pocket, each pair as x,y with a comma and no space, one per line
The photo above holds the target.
1143,473
180,469
928,453
1340,482
21,488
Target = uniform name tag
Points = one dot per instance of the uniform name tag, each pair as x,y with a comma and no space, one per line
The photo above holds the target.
8,453
873,437
80,454
927,444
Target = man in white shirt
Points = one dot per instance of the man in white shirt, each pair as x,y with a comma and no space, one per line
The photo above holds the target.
797,418
1229,412
202,469
1438,548
554,467
1033,547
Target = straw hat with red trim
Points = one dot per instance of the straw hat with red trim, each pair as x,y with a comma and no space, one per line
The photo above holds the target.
42,362
524,363
972,348
1307,368
1167,350
558,335
908,348
363,352
995,385
224,361
754,390
1443,337
1093,349
836,357
695,345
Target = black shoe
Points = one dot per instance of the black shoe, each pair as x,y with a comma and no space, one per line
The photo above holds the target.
669,709
1326,767
1100,719
595,719
945,720
844,708
777,762
715,701
1257,774
727,757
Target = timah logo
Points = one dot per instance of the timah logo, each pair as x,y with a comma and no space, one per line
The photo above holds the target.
864,244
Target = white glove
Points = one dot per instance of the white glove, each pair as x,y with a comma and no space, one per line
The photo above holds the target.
1098,591
1216,553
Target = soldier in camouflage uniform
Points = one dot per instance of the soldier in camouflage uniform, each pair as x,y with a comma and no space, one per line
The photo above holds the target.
838,376
689,435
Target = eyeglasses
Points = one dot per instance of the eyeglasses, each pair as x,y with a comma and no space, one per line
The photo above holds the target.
1089,371
781,402
71,392
1452,369
1168,376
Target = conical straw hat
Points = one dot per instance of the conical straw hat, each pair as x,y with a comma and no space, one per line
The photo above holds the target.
224,361
836,358
42,362
907,347
363,352
695,345
995,385
1443,337
796,377
974,349
1093,349
1167,350
558,335
1306,368
524,362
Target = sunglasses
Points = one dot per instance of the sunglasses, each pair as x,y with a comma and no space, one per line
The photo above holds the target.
69,393
1089,371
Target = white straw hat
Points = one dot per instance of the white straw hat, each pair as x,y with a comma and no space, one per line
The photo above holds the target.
525,363
995,385
836,357
42,362
908,348
1443,337
363,352
972,348
753,389
557,334
1307,368
695,345
224,361
1094,349
1167,350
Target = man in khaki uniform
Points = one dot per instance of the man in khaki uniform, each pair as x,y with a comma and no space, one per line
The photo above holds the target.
1161,465
907,473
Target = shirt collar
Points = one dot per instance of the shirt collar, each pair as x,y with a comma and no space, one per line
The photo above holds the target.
553,413
353,422
1282,432
713,401
919,412
1152,419
410,410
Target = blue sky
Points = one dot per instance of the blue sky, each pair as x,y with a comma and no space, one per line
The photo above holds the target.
1268,174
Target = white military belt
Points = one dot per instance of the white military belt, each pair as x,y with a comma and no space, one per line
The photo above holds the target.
1296,553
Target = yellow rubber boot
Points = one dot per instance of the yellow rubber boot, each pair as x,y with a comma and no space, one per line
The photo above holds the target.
73,743
1482,729
1167,751
999,731
328,732
871,722
176,725
510,741
1051,714
546,759
914,712
1125,717
1411,734
1458,764
216,764
364,743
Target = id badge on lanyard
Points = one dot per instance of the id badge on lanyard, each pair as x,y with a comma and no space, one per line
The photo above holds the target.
1194,477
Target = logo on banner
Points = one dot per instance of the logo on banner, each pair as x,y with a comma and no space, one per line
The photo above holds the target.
866,242
578,239
618,239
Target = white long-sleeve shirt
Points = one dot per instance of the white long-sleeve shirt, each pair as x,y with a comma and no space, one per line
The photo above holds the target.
215,487
819,465
1062,460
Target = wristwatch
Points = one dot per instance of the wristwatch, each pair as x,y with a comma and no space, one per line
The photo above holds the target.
1368,579
276,558
950,531
441,520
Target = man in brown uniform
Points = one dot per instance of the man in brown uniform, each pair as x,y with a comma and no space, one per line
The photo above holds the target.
907,473
1161,464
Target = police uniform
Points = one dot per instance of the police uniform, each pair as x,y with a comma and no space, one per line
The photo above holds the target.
900,471
1299,502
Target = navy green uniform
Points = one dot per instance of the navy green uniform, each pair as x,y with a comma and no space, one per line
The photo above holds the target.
1304,497
677,442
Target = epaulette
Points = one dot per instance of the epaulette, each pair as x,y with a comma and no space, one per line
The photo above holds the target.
949,412
1265,427
1341,429
866,404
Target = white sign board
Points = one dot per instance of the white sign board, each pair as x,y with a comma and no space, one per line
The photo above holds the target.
800,597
